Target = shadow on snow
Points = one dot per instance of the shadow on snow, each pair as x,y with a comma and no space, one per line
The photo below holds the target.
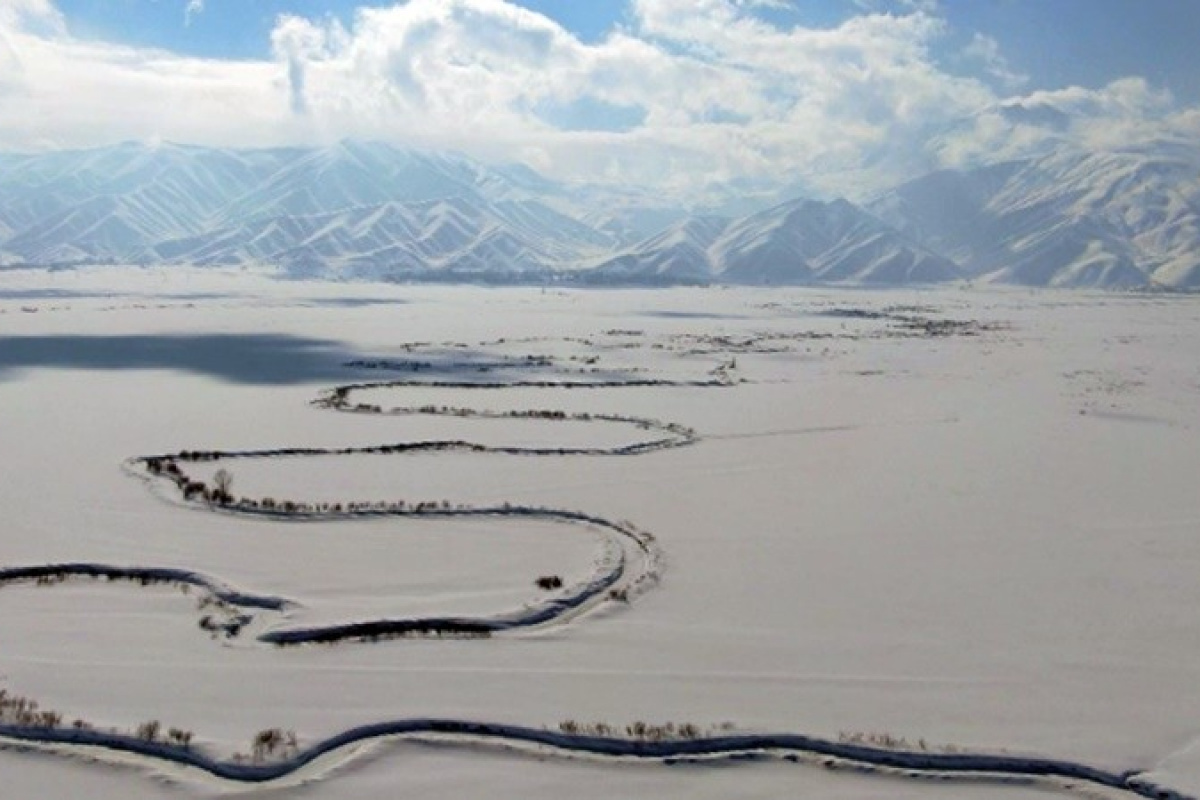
265,359
269,359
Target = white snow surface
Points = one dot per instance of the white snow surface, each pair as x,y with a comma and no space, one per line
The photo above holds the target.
988,541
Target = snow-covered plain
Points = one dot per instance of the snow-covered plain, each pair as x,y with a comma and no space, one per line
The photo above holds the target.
985,539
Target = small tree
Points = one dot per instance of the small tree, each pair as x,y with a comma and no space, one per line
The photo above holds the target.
148,731
222,486
223,481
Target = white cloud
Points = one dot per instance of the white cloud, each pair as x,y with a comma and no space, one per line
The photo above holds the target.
1128,112
11,69
80,93
723,93
32,13
878,6
194,9
986,50
719,93
297,42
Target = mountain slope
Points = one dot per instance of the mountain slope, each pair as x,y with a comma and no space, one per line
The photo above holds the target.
361,209
1110,219
108,203
352,203
395,239
799,242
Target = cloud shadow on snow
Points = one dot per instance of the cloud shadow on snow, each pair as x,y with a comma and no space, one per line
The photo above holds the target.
264,359
354,302
691,315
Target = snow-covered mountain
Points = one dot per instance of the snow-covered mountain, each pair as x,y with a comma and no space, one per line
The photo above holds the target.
370,210
169,203
109,203
454,236
1106,219
800,242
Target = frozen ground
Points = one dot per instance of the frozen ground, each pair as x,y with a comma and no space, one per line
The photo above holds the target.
985,539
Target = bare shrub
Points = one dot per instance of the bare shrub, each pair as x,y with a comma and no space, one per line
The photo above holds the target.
222,486
549,582
148,731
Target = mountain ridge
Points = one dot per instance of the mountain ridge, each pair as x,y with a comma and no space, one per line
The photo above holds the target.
1109,219
356,209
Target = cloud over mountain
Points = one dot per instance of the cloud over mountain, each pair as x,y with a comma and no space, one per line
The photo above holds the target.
684,96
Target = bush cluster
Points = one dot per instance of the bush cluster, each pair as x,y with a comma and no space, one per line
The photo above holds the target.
637,731
22,712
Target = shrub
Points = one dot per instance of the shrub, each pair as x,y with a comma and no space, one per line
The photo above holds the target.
223,484
549,582
180,737
273,741
148,730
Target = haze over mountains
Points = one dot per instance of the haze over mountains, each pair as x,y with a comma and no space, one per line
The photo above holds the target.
369,210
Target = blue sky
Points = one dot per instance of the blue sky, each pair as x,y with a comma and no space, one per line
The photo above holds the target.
1092,42
1055,43
242,28
837,96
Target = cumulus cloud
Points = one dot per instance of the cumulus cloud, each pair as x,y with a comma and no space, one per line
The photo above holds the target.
39,16
193,9
710,90
297,42
1127,113
721,94
77,93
